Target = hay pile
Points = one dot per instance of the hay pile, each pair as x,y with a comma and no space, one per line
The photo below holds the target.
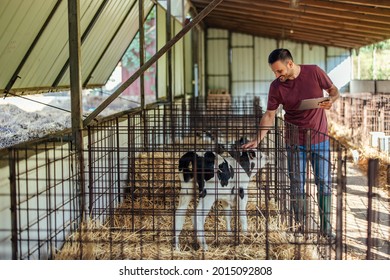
360,153
143,227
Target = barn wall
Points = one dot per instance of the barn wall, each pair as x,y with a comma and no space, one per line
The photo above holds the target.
217,59
246,56
371,86
46,180
5,217
178,62
43,182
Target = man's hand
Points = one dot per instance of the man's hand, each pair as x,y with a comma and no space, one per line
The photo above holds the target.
327,104
333,94
250,145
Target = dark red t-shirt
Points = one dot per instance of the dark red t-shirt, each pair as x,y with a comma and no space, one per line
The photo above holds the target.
310,83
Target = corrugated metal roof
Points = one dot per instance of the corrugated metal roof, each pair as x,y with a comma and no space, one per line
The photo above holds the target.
34,41
347,24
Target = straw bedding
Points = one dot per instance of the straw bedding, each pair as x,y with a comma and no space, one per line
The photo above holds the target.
142,227
365,152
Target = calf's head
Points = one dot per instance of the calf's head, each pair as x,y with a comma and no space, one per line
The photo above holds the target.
250,160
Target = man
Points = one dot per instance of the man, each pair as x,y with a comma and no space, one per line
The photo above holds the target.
294,83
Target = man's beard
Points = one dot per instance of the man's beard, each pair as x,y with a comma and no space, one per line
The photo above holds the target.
285,77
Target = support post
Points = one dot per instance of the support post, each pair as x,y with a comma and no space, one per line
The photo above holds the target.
373,171
76,91
341,186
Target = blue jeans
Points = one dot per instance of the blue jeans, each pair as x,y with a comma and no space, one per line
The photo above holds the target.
320,162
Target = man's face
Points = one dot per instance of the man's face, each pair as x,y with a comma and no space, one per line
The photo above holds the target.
282,70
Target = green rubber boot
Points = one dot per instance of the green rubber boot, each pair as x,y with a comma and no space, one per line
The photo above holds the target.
324,205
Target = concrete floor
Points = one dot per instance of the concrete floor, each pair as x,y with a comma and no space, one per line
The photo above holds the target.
356,218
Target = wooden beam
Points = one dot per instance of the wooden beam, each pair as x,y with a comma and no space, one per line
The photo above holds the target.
343,6
75,64
300,37
370,3
281,13
76,91
314,21
314,26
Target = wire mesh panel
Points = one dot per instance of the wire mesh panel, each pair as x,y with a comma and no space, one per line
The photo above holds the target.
172,182
44,199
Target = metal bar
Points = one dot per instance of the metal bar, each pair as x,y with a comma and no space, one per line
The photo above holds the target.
30,49
152,60
83,37
206,61
75,89
141,49
373,168
339,205
14,223
91,164
169,51
118,159
230,62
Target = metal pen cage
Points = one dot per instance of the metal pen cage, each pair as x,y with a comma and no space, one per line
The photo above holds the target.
365,119
125,208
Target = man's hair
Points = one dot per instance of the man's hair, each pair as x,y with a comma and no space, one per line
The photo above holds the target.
279,54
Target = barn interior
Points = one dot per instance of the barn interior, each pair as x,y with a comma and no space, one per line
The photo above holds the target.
128,87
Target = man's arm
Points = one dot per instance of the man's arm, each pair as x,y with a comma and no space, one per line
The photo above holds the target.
334,94
265,123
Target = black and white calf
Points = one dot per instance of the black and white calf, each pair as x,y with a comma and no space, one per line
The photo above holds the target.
218,178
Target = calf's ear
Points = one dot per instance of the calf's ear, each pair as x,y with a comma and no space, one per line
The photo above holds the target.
231,172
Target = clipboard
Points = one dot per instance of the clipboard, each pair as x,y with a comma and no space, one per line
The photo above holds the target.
313,103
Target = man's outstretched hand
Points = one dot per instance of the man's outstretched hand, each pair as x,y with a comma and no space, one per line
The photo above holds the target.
250,145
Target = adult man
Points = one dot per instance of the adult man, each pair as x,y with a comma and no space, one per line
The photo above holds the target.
294,83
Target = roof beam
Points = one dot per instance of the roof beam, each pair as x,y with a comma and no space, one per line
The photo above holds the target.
343,6
289,13
329,19
375,3
300,35
313,26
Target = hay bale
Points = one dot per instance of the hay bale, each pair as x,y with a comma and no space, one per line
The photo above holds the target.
144,236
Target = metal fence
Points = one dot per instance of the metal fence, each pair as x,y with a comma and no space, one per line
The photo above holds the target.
128,209
365,118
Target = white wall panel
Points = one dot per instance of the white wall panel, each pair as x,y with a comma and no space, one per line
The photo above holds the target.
241,40
263,73
218,82
217,57
314,55
178,63
250,69
242,64
217,33
188,63
242,89
295,50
